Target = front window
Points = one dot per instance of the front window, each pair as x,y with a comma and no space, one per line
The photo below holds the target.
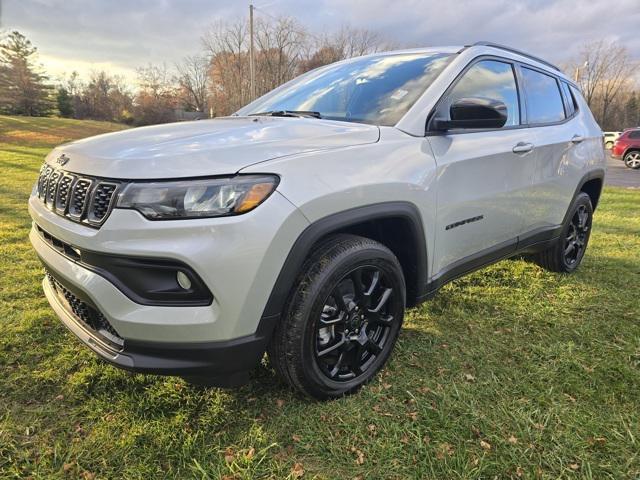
378,90
490,79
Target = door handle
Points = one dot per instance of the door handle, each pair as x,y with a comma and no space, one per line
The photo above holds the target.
522,147
577,138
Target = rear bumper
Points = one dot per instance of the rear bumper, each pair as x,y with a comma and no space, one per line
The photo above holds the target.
224,363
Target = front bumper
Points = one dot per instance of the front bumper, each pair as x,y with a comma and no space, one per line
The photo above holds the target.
238,258
223,363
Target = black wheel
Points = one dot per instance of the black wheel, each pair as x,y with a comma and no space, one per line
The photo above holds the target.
608,145
342,319
566,254
632,159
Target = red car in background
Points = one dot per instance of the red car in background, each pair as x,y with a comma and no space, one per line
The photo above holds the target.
627,147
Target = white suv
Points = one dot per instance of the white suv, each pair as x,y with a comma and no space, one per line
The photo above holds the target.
304,224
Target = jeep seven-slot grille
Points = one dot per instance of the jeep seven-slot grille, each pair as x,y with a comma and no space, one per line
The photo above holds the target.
86,314
80,198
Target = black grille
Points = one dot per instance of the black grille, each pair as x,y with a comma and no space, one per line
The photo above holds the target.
52,187
102,196
79,195
64,187
43,180
87,314
81,199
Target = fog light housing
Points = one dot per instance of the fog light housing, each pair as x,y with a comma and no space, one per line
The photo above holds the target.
183,280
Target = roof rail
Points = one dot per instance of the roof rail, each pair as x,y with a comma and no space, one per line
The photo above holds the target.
513,50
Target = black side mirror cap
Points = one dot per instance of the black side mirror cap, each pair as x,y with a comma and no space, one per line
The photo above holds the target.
473,113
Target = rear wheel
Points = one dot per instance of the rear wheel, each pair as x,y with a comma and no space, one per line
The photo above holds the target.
566,253
632,160
608,145
342,320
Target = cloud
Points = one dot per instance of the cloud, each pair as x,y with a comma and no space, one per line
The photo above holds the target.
122,35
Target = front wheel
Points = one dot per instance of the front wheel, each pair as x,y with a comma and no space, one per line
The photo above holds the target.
342,319
632,160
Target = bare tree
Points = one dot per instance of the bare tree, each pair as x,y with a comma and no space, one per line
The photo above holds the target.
280,45
604,70
284,48
348,42
227,46
193,77
157,96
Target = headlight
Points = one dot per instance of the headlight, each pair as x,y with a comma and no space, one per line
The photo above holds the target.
213,197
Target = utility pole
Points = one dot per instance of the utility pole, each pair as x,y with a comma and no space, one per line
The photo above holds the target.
252,68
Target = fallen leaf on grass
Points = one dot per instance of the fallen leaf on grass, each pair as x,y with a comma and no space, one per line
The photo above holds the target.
413,416
596,441
512,440
297,471
229,455
574,466
485,445
250,453
296,438
444,449
280,403
469,378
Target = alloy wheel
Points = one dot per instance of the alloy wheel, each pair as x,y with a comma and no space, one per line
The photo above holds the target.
632,160
577,236
355,324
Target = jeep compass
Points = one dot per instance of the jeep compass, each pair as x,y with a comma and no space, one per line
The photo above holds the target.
304,224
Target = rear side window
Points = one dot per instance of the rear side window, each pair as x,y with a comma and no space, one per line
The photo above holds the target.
569,101
488,79
634,134
544,102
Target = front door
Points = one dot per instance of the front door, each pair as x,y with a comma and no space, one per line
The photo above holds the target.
483,177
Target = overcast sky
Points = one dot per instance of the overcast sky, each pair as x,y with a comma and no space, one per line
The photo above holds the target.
120,35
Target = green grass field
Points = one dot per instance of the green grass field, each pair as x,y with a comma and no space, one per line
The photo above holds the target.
512,372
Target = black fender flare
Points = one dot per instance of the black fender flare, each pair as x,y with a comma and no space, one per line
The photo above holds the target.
335,223
597,173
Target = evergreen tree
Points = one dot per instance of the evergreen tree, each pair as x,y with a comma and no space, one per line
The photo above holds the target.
23,89
632,111
65,102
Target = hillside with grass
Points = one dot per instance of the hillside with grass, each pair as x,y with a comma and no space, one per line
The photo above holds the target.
512,372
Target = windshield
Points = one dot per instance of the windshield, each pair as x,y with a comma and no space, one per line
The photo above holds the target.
377,89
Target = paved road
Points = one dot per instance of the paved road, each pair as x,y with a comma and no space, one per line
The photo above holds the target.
620,176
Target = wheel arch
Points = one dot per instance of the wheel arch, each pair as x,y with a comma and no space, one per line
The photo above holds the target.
397,225
591,184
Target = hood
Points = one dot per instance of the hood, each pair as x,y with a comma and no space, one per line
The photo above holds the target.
207,147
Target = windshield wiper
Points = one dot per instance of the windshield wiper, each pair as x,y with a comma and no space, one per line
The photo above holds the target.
289,113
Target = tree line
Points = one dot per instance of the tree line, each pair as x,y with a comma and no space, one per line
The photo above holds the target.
216,80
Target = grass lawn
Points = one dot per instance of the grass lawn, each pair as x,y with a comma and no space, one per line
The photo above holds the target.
512,372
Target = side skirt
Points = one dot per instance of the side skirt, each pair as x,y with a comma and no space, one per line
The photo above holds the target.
531,242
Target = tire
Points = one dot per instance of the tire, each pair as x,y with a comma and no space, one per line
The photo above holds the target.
608,145
632,159
567,252
334,337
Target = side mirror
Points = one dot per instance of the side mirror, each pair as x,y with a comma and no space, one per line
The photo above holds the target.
473,112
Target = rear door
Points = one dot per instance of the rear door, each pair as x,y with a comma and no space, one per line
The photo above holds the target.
483,176
561,151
